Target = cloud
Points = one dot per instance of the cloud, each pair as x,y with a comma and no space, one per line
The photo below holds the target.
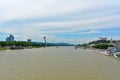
94,31
22,9
37,18
49,29
13,9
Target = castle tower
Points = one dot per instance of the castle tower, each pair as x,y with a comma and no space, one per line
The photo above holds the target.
111,40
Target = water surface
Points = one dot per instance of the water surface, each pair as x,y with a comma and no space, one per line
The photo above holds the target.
63,63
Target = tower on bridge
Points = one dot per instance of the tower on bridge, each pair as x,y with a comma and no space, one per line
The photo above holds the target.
45,41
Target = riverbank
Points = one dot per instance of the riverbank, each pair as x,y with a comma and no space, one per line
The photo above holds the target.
2,48
116,55
104,52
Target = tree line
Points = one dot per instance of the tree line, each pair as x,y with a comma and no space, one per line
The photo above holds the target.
21,43
102,46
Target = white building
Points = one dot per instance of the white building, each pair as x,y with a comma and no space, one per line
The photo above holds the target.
102,38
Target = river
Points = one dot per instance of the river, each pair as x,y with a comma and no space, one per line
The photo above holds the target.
63,63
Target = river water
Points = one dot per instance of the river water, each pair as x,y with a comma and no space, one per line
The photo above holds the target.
63,63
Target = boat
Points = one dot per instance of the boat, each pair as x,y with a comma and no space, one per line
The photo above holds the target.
117,55
29,47
76,47
16,47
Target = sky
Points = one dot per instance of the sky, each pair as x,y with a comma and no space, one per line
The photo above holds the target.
71,21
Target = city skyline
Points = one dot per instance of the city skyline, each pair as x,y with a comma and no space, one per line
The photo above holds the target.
71,21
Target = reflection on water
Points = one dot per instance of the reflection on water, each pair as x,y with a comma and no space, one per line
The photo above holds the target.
63,63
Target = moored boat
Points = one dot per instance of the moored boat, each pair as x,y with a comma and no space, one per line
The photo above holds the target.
117,55
29,47
16,47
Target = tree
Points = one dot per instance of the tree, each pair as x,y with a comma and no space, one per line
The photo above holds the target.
102,46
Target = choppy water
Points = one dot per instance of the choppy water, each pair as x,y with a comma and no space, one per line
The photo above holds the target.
63,63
